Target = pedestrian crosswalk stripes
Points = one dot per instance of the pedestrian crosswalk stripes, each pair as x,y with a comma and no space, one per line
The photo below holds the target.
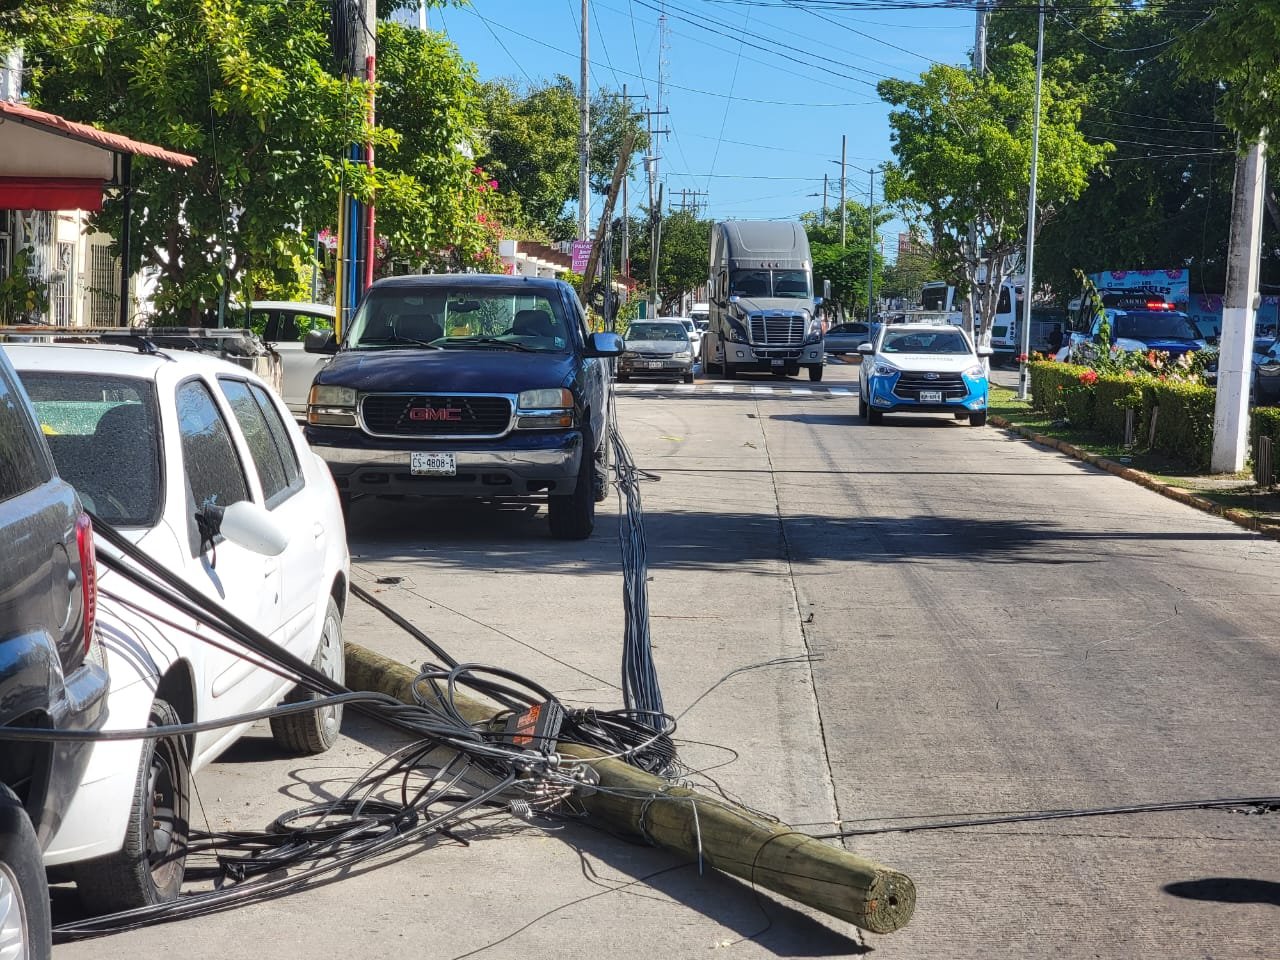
740,389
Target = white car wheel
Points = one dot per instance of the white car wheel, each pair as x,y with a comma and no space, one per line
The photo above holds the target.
317,730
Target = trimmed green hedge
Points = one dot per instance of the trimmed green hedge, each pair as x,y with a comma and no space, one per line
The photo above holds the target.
1184,426
1265,422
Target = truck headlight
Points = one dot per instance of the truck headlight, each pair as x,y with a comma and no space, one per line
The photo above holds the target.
555,398
814,331
329,406
550,409
736,332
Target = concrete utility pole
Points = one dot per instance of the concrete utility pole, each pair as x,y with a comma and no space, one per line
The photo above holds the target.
824,199
844,141
584,138
1231,408
1028,283
980,38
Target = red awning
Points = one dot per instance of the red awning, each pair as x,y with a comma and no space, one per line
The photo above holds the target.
48,193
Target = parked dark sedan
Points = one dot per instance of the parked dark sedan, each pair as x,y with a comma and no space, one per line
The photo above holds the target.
846,337
51,668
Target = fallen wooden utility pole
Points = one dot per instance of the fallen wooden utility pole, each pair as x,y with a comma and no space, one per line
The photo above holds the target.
698,826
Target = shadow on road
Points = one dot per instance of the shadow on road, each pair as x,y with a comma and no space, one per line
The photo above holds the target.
487,537
1227,890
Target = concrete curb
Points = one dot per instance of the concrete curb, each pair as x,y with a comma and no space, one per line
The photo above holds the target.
1238,517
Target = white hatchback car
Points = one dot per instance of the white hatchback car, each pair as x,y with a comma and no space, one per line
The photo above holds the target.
151,440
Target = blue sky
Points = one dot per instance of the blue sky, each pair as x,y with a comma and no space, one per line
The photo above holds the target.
759,93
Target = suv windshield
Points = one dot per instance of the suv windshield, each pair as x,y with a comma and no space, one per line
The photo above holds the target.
1154,326
459,319
104,436
924,341
657,331
787,284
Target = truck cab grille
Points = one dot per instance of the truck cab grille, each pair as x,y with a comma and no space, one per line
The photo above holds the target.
782,329
427,415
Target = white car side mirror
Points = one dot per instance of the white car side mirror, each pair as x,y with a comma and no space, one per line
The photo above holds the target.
249,525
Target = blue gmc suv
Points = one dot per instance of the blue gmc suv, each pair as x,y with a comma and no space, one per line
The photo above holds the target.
468,385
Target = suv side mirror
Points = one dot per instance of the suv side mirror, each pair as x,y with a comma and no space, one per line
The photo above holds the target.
604,345
320,341
984,351
866,349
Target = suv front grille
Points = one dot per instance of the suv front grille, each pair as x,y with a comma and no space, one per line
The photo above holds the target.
435,415
781,329
911,382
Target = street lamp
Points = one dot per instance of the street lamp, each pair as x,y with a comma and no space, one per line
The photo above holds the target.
1028,282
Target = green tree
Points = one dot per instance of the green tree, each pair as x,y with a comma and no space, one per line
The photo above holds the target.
904,277
963,148
1162,200
246,86
845,267
530,144
684,253
1235,45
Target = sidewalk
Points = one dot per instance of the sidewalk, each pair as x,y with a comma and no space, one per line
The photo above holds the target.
1234,497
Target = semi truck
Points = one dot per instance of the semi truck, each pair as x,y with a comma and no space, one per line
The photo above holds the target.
762,313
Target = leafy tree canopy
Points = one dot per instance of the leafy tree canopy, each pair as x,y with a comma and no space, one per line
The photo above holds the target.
845,267
246,87
963,148
684,254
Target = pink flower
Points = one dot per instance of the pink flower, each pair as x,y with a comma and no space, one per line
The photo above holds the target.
493,184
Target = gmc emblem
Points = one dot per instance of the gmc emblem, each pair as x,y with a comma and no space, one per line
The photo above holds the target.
448,414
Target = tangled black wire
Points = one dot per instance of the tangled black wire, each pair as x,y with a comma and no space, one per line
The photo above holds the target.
456,771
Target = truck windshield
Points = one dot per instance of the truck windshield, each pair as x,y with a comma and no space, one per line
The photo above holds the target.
444,318
1154,326
789,284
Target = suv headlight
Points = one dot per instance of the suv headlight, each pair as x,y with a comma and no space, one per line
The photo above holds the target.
550,409
329,406
882,369
977,372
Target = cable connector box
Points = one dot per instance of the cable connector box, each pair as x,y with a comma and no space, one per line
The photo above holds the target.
536,728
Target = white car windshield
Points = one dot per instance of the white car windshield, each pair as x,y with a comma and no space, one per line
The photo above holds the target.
657,331
924,341
442,318
103,434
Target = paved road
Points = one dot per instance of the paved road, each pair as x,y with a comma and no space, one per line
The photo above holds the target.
996,628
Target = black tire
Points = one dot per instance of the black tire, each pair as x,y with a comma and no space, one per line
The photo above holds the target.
815,372
24,891
573,516
307,734
863,406
604,458
978,418
148,868
688,377
874,416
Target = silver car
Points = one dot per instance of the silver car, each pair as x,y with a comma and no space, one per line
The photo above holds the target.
657,348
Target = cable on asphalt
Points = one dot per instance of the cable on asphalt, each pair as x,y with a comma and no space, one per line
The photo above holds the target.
453,774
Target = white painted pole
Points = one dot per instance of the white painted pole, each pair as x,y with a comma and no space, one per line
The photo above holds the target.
1029,287
1235,350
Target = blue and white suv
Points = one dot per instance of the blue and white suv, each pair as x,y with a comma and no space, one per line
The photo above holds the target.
923,368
